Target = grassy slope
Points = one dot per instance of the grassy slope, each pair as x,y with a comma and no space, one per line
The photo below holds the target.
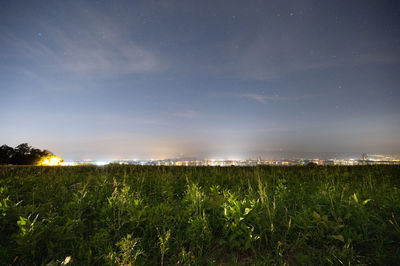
200,215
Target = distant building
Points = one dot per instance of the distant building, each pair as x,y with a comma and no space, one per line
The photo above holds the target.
364,157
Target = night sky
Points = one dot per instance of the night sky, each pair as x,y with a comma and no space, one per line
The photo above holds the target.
227,79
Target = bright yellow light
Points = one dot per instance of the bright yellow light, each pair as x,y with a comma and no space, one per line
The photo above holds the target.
51,160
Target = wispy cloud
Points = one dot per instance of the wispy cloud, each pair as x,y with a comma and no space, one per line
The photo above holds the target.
98,49
262,59
262,98
269,51
188,114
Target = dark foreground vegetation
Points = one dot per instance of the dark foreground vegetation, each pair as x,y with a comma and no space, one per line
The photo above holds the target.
150,215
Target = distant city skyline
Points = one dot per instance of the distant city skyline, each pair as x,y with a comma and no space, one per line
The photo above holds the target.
335,159
200,79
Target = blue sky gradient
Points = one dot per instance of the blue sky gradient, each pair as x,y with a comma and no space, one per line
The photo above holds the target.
162,79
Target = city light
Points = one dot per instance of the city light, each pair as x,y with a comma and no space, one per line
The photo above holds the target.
101,163
375,159
67,163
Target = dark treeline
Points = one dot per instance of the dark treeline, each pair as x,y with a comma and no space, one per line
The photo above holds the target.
23,154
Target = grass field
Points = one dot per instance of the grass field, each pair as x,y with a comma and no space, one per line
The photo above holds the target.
150,215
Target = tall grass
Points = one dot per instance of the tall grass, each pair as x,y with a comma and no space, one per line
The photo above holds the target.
148,215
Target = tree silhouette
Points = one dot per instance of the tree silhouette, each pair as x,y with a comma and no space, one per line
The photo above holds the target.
6,154
23,154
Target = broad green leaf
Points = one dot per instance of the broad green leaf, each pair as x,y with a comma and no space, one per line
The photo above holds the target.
338,237
66,261
355,198
366,201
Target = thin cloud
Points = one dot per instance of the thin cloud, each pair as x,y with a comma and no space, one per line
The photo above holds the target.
273,50
188,114
99,49
262,98
260,62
